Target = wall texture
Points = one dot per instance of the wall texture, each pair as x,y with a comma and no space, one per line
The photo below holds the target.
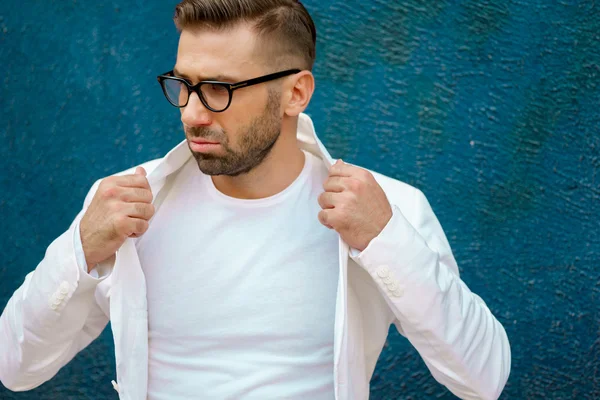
489,107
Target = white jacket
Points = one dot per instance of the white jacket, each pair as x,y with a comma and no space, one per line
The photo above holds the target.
406,276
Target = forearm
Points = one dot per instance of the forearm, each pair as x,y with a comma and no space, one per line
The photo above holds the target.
99,271
42,326
462,343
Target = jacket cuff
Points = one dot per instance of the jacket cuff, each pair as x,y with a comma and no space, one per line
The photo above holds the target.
400,262
398,243
55,281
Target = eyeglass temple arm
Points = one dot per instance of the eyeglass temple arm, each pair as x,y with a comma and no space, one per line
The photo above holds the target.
266,78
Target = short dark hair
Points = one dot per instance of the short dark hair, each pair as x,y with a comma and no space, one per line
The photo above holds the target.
284,23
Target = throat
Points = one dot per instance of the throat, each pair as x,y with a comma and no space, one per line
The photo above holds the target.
272,176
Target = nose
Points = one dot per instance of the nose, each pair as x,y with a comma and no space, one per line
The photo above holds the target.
195,113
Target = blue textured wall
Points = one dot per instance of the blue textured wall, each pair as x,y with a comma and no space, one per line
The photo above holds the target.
489,107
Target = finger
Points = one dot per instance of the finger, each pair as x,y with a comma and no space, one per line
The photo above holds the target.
136,195
335,184
140,171
340,168
140,210
137,227
135,180
323,218
326,200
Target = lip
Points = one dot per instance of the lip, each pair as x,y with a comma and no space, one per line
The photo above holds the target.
202,141
200,146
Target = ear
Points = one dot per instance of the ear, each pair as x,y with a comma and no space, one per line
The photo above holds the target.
298,93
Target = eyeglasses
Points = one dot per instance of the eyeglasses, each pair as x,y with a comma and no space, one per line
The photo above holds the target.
215,95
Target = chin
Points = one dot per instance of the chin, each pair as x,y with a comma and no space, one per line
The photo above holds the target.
215,167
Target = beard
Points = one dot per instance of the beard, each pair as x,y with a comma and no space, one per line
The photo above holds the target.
255,142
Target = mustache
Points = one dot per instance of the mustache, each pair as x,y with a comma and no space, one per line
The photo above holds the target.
205,133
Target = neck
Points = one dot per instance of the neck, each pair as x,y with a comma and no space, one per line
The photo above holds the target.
277,171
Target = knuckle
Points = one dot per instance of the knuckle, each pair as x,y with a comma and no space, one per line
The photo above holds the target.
141,226
352,196
139,209
135,194
105,182
120,224
353,185
357,192
321,215
121,220
324,217
127,195
109,192
133,179
137,179
144,194
142,181
321,198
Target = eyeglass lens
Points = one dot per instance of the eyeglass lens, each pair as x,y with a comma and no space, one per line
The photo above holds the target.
215,95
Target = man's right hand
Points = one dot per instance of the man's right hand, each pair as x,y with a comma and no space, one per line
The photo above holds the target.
121,208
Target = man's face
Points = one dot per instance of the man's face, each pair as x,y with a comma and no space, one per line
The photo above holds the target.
244,133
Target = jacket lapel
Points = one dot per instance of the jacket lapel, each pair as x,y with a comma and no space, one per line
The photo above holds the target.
128,304
308,139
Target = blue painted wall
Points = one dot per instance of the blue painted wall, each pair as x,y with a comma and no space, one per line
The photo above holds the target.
489,107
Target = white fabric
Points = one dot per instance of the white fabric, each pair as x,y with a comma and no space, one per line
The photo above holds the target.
241,293
407,276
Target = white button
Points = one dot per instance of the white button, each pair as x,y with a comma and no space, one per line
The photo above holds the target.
54,306
64,287
393,286
60,296
383,271
387,280
64,290
398,292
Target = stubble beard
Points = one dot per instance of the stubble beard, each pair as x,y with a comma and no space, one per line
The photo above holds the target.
256,142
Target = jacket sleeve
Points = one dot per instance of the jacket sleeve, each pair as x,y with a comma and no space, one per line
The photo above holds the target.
462,343
51,317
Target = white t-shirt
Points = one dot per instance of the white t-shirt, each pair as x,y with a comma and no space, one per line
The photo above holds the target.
241,293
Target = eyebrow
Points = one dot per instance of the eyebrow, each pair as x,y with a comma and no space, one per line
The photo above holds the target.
218,77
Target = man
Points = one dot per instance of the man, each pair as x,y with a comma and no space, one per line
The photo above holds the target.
246,264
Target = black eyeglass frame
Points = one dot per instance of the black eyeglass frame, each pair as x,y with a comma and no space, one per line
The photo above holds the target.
231,87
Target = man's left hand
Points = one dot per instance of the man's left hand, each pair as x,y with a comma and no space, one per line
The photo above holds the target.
354,205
